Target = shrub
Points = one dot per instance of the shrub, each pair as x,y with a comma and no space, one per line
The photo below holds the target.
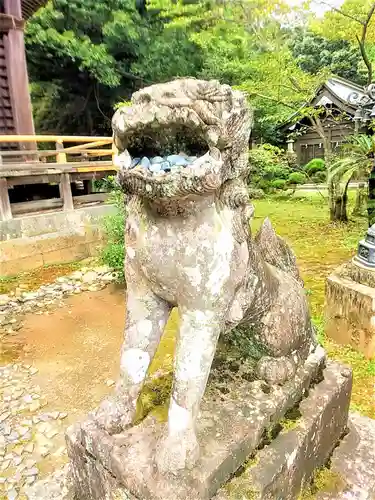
297,178
314,166
256,193
278,183
319,177
267,163
113,253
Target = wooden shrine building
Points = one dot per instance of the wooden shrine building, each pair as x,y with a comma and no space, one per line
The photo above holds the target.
337,120
15,105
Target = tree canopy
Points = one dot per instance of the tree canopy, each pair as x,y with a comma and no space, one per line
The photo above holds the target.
84,56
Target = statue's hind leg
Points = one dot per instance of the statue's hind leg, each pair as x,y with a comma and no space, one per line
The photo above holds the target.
196,345
286,332
146,316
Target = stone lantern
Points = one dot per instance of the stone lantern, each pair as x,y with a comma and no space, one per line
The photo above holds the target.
366,250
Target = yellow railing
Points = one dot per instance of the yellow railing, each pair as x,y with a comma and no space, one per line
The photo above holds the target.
28,164
91,147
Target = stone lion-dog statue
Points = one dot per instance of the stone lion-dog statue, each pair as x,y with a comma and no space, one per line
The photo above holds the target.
189,245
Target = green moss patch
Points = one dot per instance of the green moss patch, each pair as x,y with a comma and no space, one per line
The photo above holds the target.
323,481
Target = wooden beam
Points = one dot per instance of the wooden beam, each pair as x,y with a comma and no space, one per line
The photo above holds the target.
54,203
66,192
5,210
33,179
88,166
53,138
26,207
49,178
90,198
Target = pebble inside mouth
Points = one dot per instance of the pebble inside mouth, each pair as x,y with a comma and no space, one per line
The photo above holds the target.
162,165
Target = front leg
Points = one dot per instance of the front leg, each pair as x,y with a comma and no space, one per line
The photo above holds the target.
196,345
146,316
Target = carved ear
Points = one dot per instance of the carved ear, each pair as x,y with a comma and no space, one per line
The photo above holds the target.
276,251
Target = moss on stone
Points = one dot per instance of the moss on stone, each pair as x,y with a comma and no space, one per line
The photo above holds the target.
154,398
237,490
291,419
324,481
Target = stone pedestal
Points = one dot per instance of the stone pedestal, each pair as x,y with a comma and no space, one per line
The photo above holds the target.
350,307
269,437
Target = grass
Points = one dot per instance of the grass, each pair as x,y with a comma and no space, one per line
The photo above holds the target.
320,247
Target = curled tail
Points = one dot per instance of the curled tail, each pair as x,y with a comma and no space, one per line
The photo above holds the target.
275,250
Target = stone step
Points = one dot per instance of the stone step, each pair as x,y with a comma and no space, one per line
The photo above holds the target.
354,461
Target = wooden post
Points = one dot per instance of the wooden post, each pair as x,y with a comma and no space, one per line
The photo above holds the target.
5,209
60,157
66,192
65,185
14,46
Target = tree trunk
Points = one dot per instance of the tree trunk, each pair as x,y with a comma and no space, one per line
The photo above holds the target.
338,212
371,198
361,201
337,197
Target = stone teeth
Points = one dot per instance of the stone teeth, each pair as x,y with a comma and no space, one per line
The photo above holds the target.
123,161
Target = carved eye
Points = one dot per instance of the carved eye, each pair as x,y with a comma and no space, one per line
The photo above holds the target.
168,95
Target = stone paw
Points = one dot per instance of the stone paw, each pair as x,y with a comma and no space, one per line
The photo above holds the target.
276,370
113,415
177,453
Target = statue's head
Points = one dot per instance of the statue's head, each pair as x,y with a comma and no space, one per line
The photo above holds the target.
183,137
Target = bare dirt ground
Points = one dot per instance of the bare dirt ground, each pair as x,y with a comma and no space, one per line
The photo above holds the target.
73,353
76,349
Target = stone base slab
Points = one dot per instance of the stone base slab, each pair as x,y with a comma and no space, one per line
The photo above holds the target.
281,469
355,454
354,461
229,431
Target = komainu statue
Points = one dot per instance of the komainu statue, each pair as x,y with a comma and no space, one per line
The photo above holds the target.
183,158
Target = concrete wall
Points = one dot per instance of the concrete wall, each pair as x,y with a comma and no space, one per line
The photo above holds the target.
32,241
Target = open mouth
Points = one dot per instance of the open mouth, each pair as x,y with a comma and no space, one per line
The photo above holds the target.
165,155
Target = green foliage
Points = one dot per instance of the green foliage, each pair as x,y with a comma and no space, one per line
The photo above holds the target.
278,183
86,55
314,166
268,164
297,178
113,253
314,53
359,152
108,184
256,193
319,178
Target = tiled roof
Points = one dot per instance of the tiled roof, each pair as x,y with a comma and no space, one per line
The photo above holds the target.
342,88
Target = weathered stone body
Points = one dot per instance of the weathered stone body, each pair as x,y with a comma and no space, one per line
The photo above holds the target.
188,244
350,307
